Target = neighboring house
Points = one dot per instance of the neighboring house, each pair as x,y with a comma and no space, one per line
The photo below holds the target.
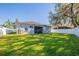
4,31
31,27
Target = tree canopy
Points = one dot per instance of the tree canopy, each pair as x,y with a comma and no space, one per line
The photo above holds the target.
65,13
9,24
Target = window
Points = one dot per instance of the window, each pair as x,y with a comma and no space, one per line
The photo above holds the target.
26,29
31,26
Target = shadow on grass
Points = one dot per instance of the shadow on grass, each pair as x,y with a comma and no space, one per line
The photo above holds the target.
42,45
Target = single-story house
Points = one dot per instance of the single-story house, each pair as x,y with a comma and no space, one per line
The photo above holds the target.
4,31
31,27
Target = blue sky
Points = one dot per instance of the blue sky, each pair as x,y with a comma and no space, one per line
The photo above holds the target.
25,12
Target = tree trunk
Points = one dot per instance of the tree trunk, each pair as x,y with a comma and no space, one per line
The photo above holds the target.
72,16
76,20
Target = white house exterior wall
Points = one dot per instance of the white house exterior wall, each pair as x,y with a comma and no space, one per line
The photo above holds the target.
4,31
46,29
10,30
31,30
28,31
67,31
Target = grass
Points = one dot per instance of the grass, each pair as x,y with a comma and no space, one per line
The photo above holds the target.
39,45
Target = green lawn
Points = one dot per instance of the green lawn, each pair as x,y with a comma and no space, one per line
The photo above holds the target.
39,45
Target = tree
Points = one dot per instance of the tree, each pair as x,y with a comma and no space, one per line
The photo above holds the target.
67,12
72,11
8,24
55,18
